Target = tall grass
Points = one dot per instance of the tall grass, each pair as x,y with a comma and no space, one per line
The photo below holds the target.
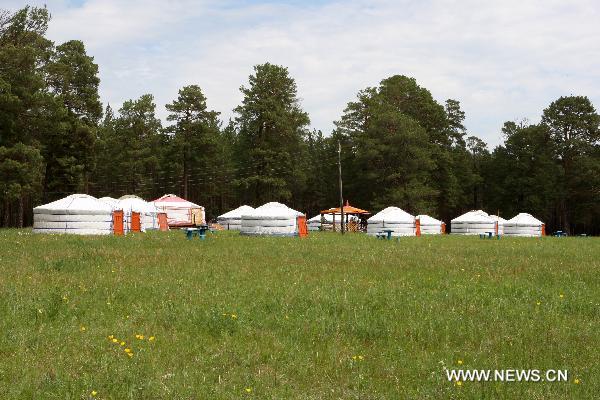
325,317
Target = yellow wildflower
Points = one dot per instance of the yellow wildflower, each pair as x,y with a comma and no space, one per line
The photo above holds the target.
360,358
234,316
248,390
130,354
94,393
127,350
577,381
460,362
82,328
538,303
458,383
122,343
561,295
151,338
115,340
111,337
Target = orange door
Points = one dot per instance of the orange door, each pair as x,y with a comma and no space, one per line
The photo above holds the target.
118,222
302,227
418,227
162,222
135,224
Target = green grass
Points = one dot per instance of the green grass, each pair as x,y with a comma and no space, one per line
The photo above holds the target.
303,308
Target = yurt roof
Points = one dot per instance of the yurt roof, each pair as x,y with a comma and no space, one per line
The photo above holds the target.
237,213
110,201
175,201
497,218
474,216
134,203
427,220
392,214
273,209
75,204
524,219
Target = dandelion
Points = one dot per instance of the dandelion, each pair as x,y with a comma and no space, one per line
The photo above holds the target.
122,343
128,350
82,328
94,393
111,337
538,303
130,355
460,362
360,358
577,381
561,295
458,383
248,390
115,340
233,316
151,338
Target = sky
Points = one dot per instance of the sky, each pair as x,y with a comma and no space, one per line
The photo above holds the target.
503,60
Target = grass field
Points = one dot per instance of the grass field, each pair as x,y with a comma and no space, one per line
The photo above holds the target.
326,317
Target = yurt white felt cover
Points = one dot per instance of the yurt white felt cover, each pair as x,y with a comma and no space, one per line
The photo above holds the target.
79,214
473,222
501,221
232,220
314,224
148,212
523,224
271,219
114,203
396,219
429,225
178,210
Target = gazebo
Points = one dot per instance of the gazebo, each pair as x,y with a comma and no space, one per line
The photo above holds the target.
355,218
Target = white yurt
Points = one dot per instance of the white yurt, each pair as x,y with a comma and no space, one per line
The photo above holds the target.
271,219
314,223
79,214
180,212
501,221
429,225
474,222
232,220
523,225
114,203
148,212
399,221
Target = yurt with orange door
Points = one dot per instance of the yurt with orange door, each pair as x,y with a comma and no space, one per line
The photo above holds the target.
147,211
180,212
524,224
271,219
78,214
429,225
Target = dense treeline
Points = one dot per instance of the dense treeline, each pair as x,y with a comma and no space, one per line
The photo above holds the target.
399,145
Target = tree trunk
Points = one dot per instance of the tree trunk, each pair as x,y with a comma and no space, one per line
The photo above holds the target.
21,210
6,213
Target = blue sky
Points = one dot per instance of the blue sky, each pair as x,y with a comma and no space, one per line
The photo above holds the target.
503,61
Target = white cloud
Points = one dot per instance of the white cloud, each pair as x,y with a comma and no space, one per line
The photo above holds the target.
502,60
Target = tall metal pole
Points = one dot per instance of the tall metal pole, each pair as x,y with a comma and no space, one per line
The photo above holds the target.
341,194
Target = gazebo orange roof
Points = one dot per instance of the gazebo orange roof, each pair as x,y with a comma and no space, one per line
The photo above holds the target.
348,209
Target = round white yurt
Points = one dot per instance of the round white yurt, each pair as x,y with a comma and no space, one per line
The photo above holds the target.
501,221
79,214
474,222
148,212
429,225
232,220
523,225
392,218
180,212
114,203
314,224
271,219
